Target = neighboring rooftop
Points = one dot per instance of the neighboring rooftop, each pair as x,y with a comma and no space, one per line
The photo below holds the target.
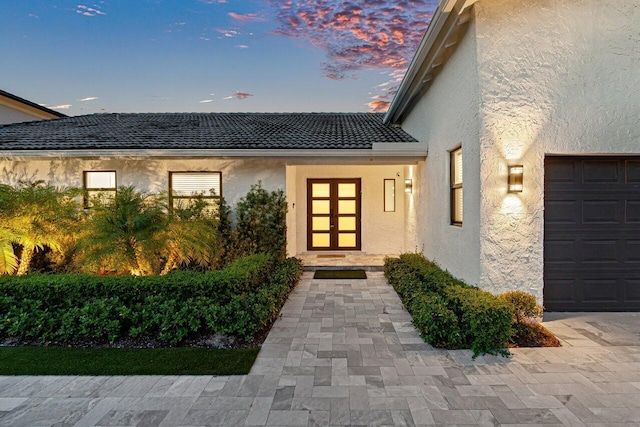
38,112
204,131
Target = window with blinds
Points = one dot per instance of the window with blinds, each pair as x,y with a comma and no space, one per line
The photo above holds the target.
456,187
100,187
191,185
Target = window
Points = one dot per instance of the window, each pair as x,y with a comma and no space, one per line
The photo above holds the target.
186,186
456,186
99,186
389,195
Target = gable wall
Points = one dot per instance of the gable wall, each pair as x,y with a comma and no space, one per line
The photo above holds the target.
556,77
11,115
445,117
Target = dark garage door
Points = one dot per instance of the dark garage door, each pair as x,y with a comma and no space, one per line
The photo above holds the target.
592,234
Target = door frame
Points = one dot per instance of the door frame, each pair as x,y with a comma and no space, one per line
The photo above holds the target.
333,197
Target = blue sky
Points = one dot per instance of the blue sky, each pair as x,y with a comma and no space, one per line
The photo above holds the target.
209,55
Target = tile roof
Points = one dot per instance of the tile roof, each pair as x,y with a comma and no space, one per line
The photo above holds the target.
203,131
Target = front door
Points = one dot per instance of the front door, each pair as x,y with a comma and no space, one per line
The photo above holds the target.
333,214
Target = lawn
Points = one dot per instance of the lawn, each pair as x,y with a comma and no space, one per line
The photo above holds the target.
125,361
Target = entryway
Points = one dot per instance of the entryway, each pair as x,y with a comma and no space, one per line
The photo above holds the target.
333,214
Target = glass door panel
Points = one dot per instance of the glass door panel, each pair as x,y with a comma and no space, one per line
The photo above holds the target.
333,211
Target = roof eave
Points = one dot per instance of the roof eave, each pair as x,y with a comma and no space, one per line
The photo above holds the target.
392,149
445,31
28,107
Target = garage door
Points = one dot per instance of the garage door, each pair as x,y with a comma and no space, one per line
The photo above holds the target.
592,234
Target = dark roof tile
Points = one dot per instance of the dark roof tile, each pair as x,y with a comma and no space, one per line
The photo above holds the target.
203,131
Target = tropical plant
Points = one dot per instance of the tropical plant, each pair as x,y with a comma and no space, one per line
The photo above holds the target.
121,235
35,216
190,235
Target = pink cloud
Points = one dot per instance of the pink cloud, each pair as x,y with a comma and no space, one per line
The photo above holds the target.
247,17
238,95
359,35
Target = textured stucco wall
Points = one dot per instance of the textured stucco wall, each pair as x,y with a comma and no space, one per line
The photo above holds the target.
150,174
382,232
556,77
11,115
447,116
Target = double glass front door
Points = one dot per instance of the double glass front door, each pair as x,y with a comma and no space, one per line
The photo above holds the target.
333,214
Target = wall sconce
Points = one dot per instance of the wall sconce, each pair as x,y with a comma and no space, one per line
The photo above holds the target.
408,186
515,178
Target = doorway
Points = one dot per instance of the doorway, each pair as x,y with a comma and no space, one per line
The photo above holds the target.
333,214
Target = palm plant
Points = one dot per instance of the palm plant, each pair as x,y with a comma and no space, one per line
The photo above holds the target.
34,215
122,234
190,235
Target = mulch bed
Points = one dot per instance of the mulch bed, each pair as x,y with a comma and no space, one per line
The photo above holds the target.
534,335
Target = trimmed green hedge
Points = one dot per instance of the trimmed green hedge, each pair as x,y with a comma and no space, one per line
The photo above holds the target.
448,312
240,300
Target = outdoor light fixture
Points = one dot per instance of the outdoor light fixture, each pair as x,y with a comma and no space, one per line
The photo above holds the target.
515,178
408,186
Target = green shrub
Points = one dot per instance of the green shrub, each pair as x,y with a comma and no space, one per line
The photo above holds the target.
448,312
436,323
261,223
239,300
484,319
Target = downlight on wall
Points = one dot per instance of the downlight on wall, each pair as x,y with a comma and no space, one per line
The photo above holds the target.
516,175
408,186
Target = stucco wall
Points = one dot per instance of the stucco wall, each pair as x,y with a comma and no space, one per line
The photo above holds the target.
11,115
382,232
150,174
556,77
446,117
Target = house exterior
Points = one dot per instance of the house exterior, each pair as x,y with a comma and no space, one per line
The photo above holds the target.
510,155
343,174
554,87
14,109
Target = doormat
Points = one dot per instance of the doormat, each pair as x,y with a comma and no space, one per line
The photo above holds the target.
331,256
340,274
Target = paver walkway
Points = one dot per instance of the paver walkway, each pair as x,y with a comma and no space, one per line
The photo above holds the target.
345,352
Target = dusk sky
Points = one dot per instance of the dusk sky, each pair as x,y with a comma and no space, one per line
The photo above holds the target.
209,55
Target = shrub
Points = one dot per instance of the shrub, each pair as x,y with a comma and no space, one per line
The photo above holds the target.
239,300
448,312
524,306
261,223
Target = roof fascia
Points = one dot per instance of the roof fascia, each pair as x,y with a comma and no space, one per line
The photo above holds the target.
404,149
445,31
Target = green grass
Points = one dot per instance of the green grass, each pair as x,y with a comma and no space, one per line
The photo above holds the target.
125,361
340,274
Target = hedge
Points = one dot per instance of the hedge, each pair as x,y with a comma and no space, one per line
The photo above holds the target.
448,312
240,300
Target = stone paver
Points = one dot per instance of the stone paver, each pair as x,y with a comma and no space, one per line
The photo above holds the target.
344,352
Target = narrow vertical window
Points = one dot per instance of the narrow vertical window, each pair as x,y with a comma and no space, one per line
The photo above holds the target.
389,195
456,187
187,186
100,186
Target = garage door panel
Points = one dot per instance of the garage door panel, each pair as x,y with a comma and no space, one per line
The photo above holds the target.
632,211
601,172
592,234
600,290
562,251
602,212
560,172
562,212
599,251
632,290
633,171
559,291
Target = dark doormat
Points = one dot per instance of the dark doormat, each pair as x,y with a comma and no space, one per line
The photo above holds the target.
340,274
